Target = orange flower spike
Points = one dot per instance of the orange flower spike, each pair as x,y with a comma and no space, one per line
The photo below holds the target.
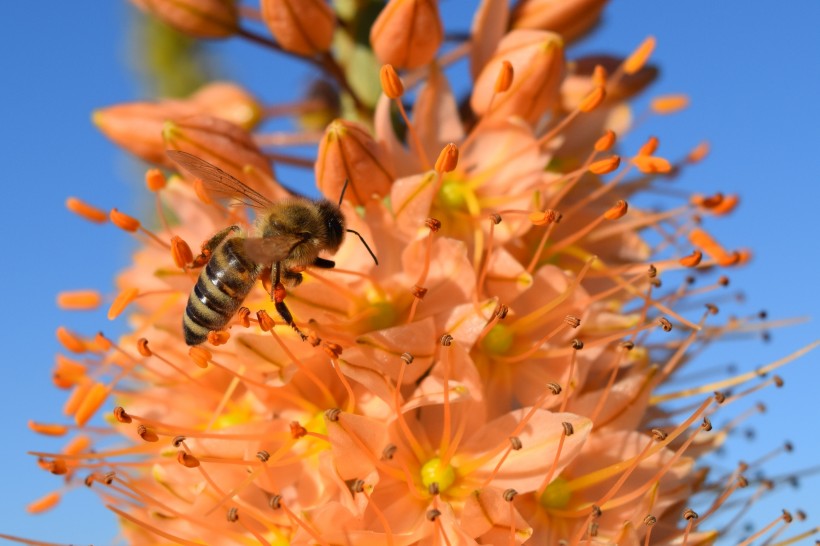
199,18
70,340
84,210
43,504
604,166
348,154
90,403
640,56
122,301
155,180
304,27
123,221
618,210
407,33
669,104
651,164
79,300
606,142
48,429
447,159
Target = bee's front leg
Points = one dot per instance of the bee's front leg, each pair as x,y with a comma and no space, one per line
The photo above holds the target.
210,245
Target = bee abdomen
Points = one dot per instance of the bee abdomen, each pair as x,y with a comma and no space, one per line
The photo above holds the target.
219,291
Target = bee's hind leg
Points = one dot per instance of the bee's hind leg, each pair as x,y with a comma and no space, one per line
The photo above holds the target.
278,294
210,245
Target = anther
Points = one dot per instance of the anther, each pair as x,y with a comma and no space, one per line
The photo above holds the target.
433,489
357,486
637,59
627,345
448,159
692,259
542,218
275,502
102,343
218,337
577,344
778,381
121,302
432,224
70,340
233,515
263,456
505,77
391,83
723,280
142,347
89,480
200,355
706,425
787,516
388,452
509,495
606,165
690,514
572,320
177,441
181,252
593,99
617,210
596,511
650,520
187,460
554,388
407,358
147,434
569,430
515,441
79,300
265,322
649,147
658,434
742,481
83,209
108,478
123,221
495,218
665,324
652,271
121,416
656,282
419,292
298,431
446,340
605,142
669,104
58,467
333,414
154,179
720,397
713,310
433,514
500,311
243,316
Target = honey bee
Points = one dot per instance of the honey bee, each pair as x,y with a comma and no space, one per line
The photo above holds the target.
289,236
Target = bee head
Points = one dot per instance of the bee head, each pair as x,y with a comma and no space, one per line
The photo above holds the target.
334,222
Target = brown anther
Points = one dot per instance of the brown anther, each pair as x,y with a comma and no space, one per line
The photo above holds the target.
554,388
649,147
713,309
706,425
243,317
108,478
187,460
500,311
690,280
692,260
265,322
689,514
388,452
742,481
542,218
391,83
123,221
154,179
723,280
142,347
263,456
761,407
357,486
596,511
334,350
447,159
719,397
787,516
83,209
778,381
650,520
593,99
58,467
577,344
419,292
121,416
652,271
298,431
446,340
569,430
177,441
509,495
801,515
432,224
505,77
433,514
147,434
665,324
617,210
407,358
763,314
218,337
656,282
275,502
606,165
200,355
495,218
658,435
627,345
181,252
788,446
233,515
433,489
89,480
572,320
333,414
515,442
606,141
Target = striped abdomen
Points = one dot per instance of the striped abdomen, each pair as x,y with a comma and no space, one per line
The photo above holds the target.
220,290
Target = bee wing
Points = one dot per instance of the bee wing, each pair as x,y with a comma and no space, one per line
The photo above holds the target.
218,181
269,250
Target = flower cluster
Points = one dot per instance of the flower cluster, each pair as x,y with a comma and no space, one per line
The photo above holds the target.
495,379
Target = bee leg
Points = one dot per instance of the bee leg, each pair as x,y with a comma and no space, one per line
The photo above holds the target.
210,245
324,264
278,294
293,278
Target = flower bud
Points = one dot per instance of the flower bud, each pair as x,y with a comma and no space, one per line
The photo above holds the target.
407,33
537,58
348,152
301,26
569,18
225,146
200,18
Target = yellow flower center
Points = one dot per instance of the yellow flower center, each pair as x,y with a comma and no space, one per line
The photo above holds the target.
384,315
556,495
433,471
453,194
498,340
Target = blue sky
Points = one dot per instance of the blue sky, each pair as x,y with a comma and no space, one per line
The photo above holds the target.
754,84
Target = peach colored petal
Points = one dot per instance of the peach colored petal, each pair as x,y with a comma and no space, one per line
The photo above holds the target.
486,514
382,350
405,162
489,25
435,116
356,442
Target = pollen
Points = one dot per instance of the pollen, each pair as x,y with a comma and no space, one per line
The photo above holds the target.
83,209
435,472
181,252
200,355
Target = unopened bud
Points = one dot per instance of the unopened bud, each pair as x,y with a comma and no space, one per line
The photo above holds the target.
407,33
200,18
300,26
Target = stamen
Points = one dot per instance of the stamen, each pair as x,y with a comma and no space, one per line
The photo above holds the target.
669,104
785,517
71,341
122,301
638,58
393,88
419,290
84,210
155,180
79,300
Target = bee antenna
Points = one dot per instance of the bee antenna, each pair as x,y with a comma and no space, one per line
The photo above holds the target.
344,188
357,234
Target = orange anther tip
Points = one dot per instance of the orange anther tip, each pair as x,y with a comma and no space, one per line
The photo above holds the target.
44,503
652,164
142,347
101,343
599,76
187,460
70,340
79,300
542,218
505,77
154,179
727,205
91,402
121,302
181,252
265,322
699,153
123,221
121,415
669,104
78,444
691,260
218,337
297,430
593,99
649,147
67,372
617,211
76,397
606,141
81,208
638,58
200,355
604,166
729,259
391,83
743,256
48,429
447,159
147,434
